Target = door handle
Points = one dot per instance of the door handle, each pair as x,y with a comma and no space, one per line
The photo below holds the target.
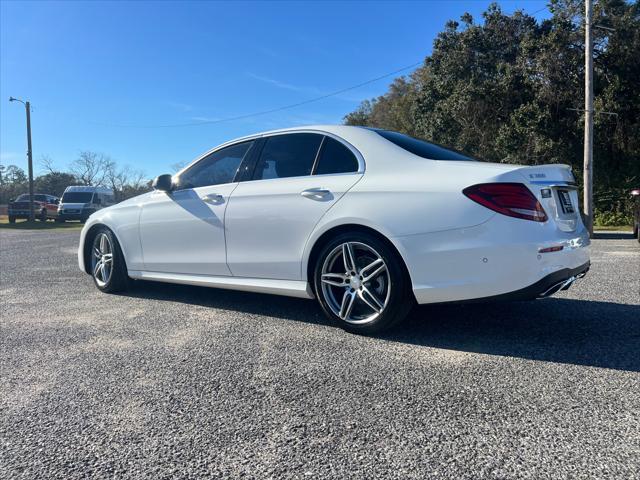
213,198
316,193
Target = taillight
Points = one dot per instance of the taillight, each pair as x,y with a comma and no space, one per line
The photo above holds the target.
511,199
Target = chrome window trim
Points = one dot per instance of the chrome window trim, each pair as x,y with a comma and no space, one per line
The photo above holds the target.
354,150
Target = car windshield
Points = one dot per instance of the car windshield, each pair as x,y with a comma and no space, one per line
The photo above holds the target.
23,198
421,148
77,197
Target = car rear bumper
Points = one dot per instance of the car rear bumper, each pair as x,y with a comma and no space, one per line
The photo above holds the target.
20,213
499,259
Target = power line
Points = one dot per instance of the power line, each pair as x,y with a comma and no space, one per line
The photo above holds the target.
273,110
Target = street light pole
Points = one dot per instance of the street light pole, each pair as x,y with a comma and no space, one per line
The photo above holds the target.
27,106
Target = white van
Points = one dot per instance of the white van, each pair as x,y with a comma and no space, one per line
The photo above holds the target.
78,202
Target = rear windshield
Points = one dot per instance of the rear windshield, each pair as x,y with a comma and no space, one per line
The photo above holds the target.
77,197
421,148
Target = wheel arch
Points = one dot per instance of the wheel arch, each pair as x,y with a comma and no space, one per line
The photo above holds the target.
88,240
327,235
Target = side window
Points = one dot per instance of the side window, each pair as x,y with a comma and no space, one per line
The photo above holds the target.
40,198
218,168
289,155
335,158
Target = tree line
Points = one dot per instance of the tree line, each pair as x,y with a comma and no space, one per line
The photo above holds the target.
511,89
90,168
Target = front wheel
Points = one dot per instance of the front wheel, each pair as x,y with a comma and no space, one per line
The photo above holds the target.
12,219
361,284
108,268
43,216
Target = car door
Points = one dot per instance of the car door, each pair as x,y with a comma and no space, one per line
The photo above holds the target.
297,177
51,206
182,231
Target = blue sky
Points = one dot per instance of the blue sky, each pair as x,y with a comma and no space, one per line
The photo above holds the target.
97,71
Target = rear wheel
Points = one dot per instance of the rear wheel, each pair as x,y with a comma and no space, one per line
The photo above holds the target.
361,284
108,268
12,219
43,216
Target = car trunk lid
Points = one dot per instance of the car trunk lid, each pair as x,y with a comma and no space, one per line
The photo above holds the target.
557,192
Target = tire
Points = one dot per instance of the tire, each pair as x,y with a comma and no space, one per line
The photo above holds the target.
59,220
43,216
352,302
112,276
12,219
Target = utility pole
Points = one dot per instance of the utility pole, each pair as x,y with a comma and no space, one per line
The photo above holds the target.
27,106
588,118
30,158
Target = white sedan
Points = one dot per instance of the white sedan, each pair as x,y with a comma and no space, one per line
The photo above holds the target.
367,221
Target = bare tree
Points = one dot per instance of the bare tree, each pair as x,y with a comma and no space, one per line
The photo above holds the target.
46,162
176,167
125,181
90,168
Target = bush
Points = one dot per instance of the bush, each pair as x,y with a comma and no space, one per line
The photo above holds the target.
609,219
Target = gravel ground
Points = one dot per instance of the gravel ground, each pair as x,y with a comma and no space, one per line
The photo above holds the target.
184,382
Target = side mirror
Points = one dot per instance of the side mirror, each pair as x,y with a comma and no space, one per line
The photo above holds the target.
162,183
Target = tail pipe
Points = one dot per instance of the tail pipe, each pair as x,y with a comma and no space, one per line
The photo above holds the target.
561,285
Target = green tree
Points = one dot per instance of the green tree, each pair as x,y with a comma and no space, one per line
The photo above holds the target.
510,89
54,183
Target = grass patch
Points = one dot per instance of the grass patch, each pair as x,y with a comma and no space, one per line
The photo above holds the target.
611,228
38,225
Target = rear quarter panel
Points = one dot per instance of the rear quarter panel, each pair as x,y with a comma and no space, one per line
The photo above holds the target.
413,196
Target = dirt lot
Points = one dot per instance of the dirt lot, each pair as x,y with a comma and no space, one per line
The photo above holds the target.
183,382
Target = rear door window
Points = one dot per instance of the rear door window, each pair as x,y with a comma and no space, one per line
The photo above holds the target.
335,158
290,155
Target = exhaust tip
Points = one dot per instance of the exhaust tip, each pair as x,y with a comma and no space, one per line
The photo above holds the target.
556,287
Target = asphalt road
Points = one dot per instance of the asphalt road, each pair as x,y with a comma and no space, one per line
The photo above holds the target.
184,382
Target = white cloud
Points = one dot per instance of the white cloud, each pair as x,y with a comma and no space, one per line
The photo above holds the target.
351,96
285,86
205,119
183,107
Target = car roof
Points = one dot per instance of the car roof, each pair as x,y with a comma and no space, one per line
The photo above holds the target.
356,136
88,188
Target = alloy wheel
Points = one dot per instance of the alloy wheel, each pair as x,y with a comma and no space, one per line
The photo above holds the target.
102,256
356,283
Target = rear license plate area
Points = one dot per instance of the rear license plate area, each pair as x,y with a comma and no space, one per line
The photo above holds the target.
564,199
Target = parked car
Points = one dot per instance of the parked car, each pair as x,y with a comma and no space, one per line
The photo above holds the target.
79,202
367,221
636,213
44,207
